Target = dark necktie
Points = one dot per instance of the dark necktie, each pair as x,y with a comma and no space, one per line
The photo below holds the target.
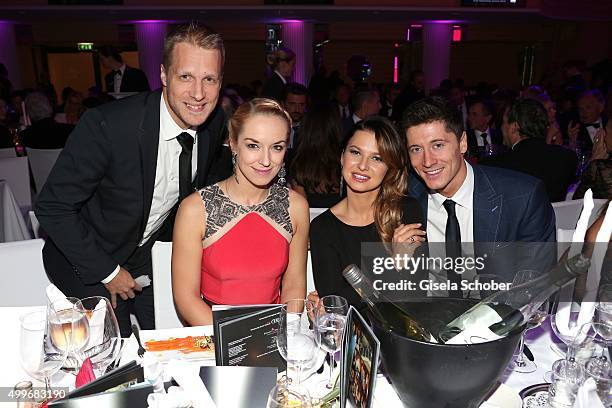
186,142
484,139
453,243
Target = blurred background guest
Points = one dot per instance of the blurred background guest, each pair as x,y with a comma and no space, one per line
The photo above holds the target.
412,92
482,137
122,77
598,174
315,169
524,130
281,63
45,132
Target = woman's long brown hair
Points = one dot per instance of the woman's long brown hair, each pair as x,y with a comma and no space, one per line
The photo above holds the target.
392,150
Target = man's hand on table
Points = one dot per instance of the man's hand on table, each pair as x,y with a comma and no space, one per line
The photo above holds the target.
123,285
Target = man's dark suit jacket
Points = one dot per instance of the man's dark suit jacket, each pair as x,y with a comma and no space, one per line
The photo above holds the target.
554,165
46,134
477,151
508,207
273,88
96,202
132,80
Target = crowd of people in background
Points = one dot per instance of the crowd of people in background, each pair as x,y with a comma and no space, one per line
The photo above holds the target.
576,114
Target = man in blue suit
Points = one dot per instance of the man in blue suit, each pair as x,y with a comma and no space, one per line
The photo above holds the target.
464,204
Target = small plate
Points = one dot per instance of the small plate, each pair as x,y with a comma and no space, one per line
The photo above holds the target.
535,396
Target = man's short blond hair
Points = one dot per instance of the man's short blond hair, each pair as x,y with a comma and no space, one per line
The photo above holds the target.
196,34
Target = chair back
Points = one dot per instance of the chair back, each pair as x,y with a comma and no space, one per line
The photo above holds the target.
8,153
41,163
15,172
24,280
567,213
315,212
166,316
12,225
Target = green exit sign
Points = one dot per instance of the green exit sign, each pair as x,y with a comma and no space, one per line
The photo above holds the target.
85,46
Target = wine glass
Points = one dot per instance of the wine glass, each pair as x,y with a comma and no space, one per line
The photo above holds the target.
38,357
591,349
565,335
65,321
521,365
104,342
603,310
330,319
294,339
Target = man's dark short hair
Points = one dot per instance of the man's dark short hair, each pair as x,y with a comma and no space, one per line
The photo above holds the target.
487,105
433,109
531,117
295,89
108,51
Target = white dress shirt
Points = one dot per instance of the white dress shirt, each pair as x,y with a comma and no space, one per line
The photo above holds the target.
117,79
356,118
479,139
436,224
593,130
166,188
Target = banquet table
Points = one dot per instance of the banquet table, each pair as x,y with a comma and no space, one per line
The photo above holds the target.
538,340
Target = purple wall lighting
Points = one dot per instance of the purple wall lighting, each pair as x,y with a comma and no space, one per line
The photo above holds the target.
8,53
298,36
150,40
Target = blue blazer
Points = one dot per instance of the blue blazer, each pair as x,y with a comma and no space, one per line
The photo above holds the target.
513,219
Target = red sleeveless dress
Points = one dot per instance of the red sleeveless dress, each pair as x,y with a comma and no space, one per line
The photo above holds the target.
246,248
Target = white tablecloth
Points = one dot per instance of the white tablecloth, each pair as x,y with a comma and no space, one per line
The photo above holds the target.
539,341
12,224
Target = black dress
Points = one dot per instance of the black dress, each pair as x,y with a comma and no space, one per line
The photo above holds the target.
334,245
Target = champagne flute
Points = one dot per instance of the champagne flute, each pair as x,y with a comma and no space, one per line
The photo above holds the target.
66,322
294,339
521,365
330,318
37,357
104,343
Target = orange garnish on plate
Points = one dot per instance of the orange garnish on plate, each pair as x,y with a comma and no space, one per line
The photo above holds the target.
186,345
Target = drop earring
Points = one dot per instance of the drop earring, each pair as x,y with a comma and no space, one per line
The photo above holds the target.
234,155
341,183
281,176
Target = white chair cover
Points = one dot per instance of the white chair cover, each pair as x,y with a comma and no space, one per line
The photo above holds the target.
315,212
166,316
567,213
8,153
15,172
12,225
310,286
24,279
41,163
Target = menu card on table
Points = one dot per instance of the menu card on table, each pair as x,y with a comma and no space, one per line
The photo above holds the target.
120,388
361,350
246,336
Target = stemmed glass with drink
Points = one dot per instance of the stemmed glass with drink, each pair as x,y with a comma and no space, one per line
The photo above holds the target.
521,365
330,320
67,322
294,338
38,356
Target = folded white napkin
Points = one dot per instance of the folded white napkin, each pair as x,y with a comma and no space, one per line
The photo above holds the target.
587,309
191,391
587,395
54,295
